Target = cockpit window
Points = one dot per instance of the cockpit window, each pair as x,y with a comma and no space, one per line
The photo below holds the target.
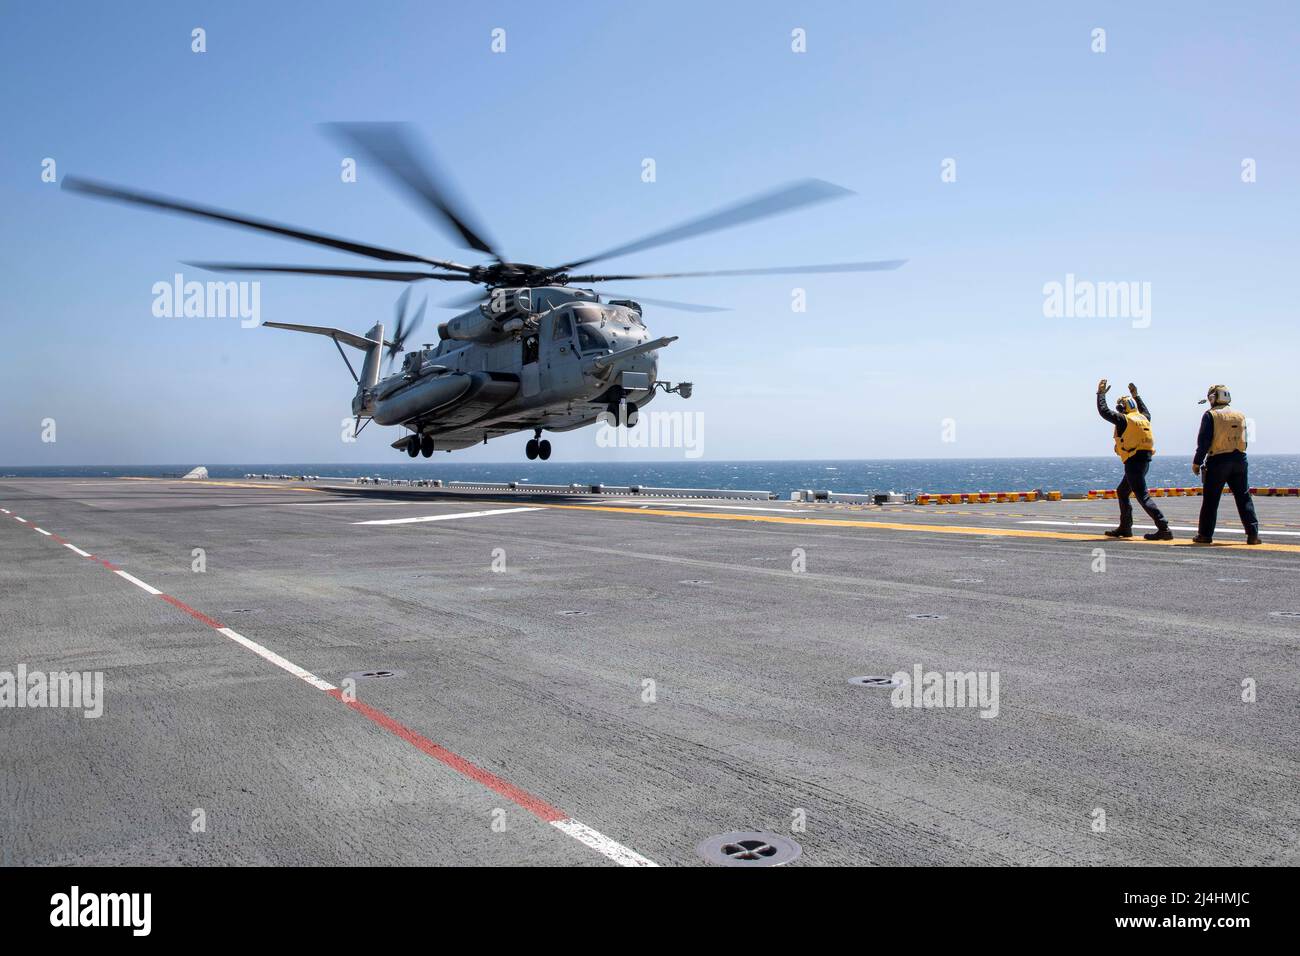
590,340
589,313
563,327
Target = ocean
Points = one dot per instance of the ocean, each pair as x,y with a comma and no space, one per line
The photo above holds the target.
909,475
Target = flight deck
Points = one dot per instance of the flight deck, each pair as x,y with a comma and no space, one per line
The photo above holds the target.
327,673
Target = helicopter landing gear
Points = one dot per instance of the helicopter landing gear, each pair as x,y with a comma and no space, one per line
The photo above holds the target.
426,446
538,447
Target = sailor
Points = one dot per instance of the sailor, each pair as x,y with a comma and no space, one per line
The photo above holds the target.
1135,444
1221,449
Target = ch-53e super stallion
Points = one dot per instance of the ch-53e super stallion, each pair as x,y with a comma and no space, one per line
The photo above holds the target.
533,352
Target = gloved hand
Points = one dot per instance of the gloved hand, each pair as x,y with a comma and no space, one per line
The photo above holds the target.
1102,387
1196,469
1132,389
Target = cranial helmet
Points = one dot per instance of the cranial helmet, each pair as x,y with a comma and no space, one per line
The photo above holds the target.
1125,405
1217,395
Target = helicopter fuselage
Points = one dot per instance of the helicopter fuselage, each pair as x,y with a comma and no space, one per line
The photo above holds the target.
552,358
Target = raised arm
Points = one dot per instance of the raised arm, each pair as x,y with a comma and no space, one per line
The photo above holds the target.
1142,406
1102,408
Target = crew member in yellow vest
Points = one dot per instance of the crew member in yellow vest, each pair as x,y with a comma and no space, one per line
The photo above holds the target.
1221,453
1135,444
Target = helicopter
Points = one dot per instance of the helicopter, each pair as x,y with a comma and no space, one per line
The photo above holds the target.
535,350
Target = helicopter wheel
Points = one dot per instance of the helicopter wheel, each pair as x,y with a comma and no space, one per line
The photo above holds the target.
543,449
532,450
426,446
413,446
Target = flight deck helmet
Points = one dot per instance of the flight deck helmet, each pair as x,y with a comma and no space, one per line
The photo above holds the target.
1217,396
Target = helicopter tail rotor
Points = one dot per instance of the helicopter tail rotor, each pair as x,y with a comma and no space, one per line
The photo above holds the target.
406,324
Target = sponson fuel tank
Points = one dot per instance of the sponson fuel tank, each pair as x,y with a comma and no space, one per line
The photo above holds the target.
429,394
421,396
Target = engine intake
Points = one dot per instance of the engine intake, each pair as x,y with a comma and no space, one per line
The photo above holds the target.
504,313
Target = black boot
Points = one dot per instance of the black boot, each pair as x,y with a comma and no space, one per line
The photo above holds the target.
1201,539
1253,538
1162,533
1120,532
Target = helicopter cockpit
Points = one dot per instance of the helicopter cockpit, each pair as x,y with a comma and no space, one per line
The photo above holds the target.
591,338
600,328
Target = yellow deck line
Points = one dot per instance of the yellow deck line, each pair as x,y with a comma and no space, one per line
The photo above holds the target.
991,532
924,528
209,483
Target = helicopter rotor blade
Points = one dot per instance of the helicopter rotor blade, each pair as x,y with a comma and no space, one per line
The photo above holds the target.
478,298
101,190
805,192
405,324
399,317
466,301
328,271
882,265
399,323
665,303
418,320
393,147
399,311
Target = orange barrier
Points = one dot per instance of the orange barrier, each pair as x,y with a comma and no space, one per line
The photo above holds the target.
983,497
1109,493
1099,494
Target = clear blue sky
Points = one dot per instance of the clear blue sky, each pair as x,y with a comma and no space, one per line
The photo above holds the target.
1117,166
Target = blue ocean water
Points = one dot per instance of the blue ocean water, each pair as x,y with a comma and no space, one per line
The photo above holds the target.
905,475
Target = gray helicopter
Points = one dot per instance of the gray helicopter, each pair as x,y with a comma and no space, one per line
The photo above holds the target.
533,351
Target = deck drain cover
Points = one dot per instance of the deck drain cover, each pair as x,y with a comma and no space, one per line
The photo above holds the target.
377,674
749,849
1285,613
694,581
967,580
572,613
887,683
927,617
1233,580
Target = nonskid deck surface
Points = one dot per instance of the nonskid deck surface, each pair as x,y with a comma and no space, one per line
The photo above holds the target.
581,680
